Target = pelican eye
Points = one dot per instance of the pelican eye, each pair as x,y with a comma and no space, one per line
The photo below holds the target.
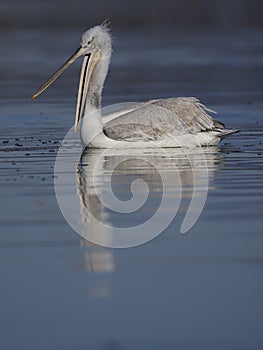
90,41
87,44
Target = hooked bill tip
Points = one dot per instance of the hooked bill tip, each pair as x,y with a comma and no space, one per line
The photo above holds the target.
33,97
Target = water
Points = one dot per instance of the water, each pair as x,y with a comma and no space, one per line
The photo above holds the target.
198,290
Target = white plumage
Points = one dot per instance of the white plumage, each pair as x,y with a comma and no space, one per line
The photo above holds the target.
171,122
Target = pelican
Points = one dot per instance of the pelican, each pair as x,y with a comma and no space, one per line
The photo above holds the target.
169,122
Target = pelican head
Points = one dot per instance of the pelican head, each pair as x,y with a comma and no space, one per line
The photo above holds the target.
95,48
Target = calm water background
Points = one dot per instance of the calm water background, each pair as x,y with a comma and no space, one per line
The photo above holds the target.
202,290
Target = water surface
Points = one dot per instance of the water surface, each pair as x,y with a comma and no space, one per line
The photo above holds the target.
198,290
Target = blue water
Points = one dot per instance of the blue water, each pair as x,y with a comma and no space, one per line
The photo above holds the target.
200,290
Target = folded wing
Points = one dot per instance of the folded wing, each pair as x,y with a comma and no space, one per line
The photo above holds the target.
159,119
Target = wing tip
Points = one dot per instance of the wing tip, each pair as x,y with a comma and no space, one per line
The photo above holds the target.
227,132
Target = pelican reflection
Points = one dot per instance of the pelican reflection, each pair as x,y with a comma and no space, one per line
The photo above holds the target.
119,191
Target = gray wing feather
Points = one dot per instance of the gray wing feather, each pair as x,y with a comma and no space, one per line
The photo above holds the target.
157,119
